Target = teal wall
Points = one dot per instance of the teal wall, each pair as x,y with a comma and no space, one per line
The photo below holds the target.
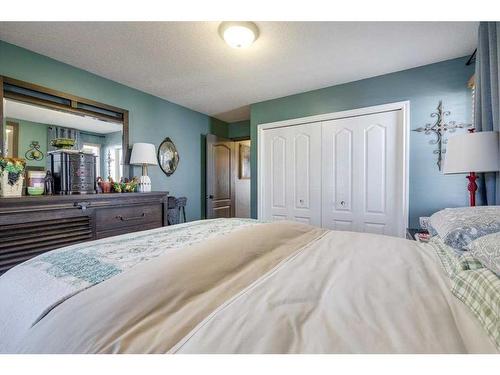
28,132
151,118
238,130
423,87
219,127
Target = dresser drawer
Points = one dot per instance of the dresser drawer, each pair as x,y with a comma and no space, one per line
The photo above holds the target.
125,230
138,216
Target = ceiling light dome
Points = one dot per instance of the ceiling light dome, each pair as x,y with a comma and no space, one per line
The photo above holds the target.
239,34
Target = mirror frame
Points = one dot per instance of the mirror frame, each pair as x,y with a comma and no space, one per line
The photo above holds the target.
45,97
167,140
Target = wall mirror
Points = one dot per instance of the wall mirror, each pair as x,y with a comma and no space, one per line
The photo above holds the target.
38,120
168,157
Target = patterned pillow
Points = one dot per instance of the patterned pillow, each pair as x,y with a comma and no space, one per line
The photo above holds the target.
460,226
487,250
453,260
480,291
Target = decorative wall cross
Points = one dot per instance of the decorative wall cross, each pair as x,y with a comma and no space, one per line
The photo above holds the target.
438,129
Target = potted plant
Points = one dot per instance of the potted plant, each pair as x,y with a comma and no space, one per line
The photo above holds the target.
105,185
11,176
125,186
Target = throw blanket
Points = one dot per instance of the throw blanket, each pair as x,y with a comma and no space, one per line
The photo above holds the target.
271,288
32,289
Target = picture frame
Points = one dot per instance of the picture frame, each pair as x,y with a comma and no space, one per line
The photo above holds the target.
244,162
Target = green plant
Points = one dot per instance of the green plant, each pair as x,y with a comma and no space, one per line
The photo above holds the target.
125,186
14,167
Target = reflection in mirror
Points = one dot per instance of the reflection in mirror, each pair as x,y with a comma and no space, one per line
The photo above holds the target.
33,132
11,139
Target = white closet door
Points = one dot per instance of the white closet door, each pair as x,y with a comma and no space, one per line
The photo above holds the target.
339,207
292,176
361,174
275,179
304,167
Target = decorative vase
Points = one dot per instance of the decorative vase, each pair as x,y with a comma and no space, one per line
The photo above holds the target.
104,185
7,190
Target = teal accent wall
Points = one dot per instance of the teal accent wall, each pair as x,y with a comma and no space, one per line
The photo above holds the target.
151,118
238,130
424,86
28,132
219,127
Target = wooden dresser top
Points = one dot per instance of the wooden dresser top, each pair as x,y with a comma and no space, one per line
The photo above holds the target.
44,202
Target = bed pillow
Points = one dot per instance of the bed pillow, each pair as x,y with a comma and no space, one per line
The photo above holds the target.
451,260
480,291
486,249
460,226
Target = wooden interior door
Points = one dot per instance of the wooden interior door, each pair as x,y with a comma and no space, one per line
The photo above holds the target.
220,177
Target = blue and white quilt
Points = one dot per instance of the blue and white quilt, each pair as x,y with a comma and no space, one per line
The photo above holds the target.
30,290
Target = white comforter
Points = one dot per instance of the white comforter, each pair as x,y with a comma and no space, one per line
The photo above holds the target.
270,288
348,293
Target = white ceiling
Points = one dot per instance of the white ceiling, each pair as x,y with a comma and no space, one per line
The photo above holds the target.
187,63
28,112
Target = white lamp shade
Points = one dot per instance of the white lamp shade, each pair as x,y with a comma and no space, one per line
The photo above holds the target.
472,152
143,153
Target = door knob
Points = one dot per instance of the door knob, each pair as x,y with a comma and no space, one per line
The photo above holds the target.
342,203
210,196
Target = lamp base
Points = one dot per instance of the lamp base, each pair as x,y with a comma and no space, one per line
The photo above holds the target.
144,185
472,187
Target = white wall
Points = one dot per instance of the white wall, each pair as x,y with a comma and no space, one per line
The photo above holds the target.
242,188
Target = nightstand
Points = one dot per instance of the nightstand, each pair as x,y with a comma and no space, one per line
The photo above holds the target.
411,233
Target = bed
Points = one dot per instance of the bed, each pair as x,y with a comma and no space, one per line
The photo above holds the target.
239,286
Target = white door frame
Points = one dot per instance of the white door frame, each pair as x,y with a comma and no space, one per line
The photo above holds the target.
404,106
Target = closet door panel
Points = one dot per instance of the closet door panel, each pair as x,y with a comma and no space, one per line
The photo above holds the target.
341,225
374,169
278,172
337,175
379,152
302,171
305,173
343,169
376,228
275,179
292,176
360,174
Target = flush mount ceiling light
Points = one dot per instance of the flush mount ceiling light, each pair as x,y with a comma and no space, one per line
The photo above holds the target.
239,34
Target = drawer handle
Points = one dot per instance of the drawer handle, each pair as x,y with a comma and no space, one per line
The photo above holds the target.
131,218
82,205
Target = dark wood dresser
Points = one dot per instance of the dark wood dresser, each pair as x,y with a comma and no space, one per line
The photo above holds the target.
30,226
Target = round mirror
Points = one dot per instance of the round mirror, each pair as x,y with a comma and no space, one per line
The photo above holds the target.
168,157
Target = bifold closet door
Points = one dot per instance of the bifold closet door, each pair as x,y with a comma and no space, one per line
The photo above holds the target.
361,173
292,173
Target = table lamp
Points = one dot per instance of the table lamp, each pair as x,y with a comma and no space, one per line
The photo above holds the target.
143,154
472,153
